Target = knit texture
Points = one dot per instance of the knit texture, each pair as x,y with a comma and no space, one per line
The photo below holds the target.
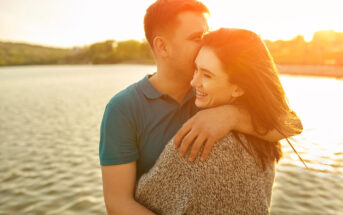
230,181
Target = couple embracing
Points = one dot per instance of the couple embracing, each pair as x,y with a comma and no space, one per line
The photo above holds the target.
201,134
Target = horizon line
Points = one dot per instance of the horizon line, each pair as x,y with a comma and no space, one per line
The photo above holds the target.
141,40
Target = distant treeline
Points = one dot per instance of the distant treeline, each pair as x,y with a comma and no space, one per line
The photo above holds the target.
107,52
25,54
326,47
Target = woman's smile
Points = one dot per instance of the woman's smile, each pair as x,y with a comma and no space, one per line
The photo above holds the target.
200,95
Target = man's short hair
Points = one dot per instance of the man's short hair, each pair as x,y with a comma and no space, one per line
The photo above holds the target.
162,14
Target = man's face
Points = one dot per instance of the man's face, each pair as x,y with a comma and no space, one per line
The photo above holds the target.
185,42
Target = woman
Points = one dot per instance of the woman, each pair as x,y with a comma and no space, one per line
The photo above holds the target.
233,66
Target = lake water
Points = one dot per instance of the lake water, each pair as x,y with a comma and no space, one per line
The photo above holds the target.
49,135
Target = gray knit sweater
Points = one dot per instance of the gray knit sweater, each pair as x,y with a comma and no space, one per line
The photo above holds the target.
230,181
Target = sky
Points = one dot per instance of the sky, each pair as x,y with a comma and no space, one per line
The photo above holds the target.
67,23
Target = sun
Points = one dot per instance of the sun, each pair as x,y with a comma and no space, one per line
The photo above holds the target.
275,20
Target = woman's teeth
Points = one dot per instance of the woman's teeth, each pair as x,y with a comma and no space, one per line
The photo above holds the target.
200,94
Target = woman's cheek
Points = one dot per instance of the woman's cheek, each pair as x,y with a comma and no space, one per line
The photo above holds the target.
209,85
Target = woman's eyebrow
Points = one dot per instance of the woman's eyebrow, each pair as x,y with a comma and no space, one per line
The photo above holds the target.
206,70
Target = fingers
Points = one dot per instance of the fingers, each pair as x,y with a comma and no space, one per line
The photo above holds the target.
186,142
196,147
207,149
182,132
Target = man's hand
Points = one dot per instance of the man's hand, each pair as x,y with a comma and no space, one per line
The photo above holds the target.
210,125
205,127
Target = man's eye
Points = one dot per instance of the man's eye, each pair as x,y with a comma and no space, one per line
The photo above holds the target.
207,76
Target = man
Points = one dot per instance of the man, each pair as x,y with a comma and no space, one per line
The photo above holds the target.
140,120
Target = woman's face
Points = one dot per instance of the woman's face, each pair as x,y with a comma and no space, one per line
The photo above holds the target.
211,82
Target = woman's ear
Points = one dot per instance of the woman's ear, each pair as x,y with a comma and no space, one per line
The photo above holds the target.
237,92
160,46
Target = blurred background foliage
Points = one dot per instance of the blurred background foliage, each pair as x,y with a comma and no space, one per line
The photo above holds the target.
326,47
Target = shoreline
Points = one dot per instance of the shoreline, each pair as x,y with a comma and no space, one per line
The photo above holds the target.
330,71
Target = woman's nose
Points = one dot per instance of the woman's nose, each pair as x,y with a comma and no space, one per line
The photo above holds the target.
195,80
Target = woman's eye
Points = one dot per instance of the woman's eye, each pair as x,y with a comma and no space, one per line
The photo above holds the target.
207,76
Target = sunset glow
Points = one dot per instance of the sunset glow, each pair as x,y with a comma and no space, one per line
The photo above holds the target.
277,19
73,22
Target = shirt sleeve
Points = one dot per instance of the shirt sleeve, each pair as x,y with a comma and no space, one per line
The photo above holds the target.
117,137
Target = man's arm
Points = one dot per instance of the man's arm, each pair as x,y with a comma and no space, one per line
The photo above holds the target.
118,153
118,187
244,125
212,124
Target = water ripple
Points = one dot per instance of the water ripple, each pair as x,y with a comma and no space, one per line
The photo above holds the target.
49,133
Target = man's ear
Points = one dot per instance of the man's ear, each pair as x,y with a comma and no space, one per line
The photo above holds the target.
160,46
237,92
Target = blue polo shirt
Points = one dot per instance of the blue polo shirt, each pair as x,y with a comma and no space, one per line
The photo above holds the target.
138,122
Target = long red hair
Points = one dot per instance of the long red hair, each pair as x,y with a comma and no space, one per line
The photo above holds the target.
249,64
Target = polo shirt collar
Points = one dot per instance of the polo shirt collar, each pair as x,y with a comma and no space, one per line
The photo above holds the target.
152,93
149,91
